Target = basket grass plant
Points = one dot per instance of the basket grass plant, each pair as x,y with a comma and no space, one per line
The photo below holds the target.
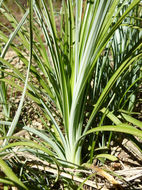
86,73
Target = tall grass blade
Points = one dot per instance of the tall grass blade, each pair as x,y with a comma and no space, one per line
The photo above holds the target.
18,112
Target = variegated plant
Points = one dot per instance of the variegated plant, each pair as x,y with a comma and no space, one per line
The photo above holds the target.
67,59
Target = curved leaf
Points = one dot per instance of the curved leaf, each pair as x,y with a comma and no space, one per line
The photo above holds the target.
29,144
123,128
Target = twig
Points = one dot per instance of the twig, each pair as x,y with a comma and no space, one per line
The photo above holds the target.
134,177
67,175
131,171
